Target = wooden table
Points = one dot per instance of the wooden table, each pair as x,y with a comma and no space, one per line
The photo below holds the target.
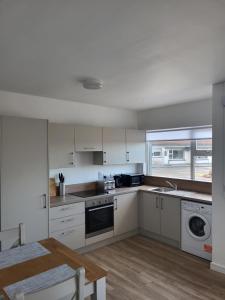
60,254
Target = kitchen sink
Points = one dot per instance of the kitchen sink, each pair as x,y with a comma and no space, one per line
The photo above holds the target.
163,189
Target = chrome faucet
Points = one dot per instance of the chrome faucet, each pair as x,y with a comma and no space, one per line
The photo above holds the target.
172,184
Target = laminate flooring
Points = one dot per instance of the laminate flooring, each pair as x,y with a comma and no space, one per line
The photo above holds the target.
143,269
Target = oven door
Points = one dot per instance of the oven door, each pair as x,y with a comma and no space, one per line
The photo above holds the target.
99,219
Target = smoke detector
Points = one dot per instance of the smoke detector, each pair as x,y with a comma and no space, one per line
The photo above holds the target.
92,83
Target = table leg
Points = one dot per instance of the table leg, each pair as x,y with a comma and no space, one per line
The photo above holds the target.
100,290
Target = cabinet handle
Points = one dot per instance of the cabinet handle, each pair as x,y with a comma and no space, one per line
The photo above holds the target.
44,201
73,158
162,203
104,157
128,158
156,202
115,203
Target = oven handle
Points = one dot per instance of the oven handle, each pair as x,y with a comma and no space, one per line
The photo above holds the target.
102,207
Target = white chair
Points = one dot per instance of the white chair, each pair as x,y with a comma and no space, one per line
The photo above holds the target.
12,238
71,289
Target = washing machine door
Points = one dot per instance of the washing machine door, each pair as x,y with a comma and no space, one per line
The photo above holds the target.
198,227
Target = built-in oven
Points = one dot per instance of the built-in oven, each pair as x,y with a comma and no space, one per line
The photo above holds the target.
99,216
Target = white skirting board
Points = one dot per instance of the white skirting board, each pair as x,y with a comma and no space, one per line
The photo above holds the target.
216,267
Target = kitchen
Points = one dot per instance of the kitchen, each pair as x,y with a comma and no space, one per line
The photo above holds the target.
113,200
114,178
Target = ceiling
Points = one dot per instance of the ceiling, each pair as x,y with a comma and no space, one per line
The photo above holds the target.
149,53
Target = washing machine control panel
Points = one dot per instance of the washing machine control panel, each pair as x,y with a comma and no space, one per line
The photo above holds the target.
196,207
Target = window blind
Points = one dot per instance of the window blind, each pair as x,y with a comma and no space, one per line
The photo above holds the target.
197,133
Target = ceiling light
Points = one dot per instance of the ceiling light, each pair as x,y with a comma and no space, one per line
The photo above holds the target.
92,83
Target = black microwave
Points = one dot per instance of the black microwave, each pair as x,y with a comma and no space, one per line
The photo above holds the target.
132,179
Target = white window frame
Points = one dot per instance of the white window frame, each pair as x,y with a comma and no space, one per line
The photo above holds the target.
194,152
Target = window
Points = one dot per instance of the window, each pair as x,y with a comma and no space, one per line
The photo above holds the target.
176,154
156,153
185,153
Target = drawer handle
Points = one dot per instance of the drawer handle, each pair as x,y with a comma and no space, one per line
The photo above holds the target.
67,220
67,232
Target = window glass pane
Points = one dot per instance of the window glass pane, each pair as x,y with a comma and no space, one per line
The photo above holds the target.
203,168
181,158
175,159
204,145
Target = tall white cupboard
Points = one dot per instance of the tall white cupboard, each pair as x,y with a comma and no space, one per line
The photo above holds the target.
24,175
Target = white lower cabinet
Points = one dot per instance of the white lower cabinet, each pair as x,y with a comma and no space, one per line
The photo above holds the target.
170,217
125,213
71,237
160,215
67,224
150,213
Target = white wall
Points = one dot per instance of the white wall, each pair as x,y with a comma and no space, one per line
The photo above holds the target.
62,111
218,233
195,113
87,172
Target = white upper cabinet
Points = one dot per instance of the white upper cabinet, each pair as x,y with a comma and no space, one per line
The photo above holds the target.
135,146
88,138
61,145
110,145
114,146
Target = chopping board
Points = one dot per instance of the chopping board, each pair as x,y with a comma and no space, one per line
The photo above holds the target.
52,187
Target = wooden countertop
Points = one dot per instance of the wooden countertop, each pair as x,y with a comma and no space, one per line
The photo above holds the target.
182,194
59,255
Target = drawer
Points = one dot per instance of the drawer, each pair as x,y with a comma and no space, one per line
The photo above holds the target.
67,210
73,238
66,222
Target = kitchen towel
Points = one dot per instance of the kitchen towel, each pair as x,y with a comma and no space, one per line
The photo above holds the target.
41,281
20,254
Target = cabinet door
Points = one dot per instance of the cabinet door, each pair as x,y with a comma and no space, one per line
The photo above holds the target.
114,148
150,213
170,217
73,238
24,176
88,138
135,146
125,213
61,145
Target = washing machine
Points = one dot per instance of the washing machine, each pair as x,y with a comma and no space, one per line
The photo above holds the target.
196,229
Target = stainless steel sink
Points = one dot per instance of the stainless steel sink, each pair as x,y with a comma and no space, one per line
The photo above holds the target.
163,189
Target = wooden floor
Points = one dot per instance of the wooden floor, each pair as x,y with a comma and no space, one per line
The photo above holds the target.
140,269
